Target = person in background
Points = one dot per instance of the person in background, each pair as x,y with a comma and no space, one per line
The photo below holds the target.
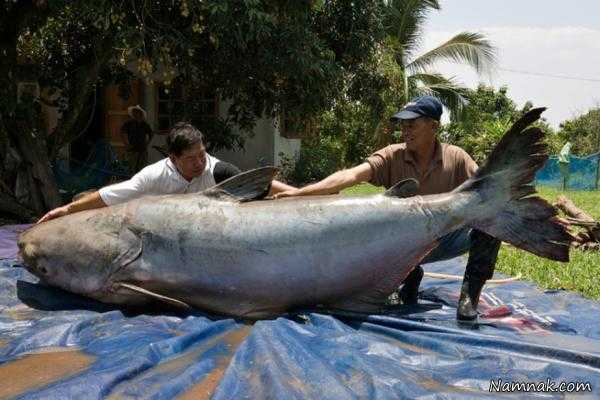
136,134
563,164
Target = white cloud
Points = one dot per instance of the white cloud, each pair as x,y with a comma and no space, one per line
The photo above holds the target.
563,51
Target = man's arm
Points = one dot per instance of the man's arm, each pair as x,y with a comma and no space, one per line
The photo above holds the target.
278,187
139,184
88,202
333,183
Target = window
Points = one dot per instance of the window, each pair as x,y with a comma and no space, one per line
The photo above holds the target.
176,103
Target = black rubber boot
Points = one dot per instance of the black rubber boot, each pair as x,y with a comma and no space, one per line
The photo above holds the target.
469,298
480,267
409,294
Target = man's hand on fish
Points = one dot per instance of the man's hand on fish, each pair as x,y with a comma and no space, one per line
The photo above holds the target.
57,212
287,193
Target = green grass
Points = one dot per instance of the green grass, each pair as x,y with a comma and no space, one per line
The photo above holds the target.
362,190
579,275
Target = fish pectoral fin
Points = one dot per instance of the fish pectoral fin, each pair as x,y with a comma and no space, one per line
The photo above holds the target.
156,296
130,247
402,189
247,186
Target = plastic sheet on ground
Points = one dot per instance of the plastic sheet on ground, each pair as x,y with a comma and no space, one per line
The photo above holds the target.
56,345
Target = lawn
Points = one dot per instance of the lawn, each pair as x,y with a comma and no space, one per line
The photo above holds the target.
579,275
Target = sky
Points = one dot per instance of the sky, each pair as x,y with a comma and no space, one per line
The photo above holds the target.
548,51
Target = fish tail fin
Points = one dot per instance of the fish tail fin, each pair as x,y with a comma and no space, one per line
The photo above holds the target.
504,185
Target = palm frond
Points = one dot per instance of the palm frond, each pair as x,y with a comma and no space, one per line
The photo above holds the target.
404,21
470,48
451,93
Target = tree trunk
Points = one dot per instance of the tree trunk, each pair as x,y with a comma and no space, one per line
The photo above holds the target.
10,206
43,189
41,176
569,208
32,150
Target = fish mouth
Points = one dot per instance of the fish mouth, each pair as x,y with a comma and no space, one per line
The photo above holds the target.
29,260
40,272
26,257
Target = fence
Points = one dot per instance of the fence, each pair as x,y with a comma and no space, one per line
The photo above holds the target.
583,173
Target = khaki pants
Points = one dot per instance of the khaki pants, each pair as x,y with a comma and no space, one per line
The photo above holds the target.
137,160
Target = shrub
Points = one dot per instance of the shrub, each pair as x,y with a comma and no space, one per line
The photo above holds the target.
318,158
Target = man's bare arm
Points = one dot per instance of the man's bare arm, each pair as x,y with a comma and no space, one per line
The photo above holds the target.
333,183
88,202
278,187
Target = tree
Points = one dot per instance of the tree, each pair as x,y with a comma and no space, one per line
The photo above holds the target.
358,121
264,57
404,26
19,137
488,114
583,132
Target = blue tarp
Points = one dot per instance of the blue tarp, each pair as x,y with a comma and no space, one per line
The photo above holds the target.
56,345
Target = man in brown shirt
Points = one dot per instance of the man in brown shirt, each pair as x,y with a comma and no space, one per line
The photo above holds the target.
449,167
439,168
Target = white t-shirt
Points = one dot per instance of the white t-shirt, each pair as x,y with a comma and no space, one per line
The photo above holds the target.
162,177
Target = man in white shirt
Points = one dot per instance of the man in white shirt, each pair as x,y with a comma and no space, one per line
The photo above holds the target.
188,169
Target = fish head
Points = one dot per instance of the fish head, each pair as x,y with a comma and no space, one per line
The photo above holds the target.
74,253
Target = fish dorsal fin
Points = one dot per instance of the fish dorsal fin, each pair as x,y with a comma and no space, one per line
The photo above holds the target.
155,296
402,189
250,185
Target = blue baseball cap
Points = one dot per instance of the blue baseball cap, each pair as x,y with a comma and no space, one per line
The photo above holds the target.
424,106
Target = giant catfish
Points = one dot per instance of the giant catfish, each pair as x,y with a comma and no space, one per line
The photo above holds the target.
226,251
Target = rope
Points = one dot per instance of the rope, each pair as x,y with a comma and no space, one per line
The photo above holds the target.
460,278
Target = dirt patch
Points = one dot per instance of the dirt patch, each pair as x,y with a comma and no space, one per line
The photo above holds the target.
206,387
36,370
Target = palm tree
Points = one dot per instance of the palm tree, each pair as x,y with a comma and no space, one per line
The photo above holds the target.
404,26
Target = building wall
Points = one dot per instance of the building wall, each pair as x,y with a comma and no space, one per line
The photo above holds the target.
263,147
285,148
258,148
